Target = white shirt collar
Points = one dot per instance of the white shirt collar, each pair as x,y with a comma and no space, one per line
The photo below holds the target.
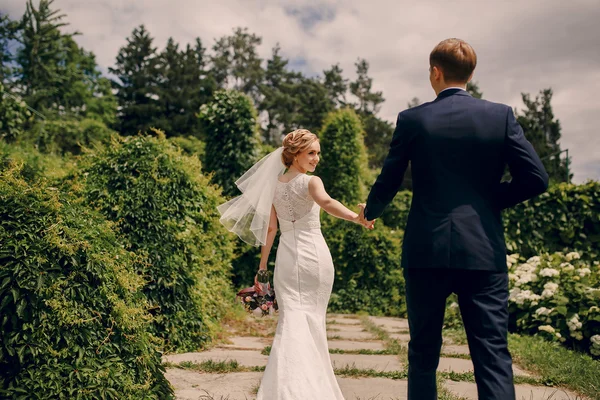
453,87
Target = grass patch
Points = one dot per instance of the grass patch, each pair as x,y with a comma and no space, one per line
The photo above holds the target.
456,335
556,365
391,345
267,351
216,367
455,355
239,323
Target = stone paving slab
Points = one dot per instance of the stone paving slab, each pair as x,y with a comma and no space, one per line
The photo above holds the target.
459,365
390,324
345,328
192,385
343,321
245,358
354,345
373,388
350,336
365,361
401,337
248,342
468,390
456,349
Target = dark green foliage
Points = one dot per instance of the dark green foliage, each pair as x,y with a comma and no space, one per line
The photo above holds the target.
567,217
378,136
74,322
369,102
66,136
367,264
190,145
165,209
232,142
395,214
14,116
473,89
344,159
137,68
543,131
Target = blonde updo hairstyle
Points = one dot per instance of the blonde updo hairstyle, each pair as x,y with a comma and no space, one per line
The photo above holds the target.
295,143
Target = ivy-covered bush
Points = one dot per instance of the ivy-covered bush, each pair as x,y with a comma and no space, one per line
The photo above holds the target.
557,296
367,264
395,215
14,116
344,163
190,145
34,165
566,217
68,136
74,323
232,141
165,208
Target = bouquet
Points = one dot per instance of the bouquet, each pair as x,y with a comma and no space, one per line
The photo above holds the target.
260,298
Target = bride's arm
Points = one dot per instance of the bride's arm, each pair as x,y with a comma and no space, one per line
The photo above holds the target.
331,206
266,249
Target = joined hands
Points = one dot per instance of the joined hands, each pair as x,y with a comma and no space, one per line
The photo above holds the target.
361,217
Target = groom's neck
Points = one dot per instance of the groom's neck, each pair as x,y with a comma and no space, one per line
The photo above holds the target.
451,85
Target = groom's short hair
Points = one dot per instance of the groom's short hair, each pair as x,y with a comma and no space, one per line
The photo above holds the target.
456,58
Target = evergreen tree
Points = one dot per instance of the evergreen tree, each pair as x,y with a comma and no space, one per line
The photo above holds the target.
473,89
232,141
414,102
544,132
236,63
137,85
8,32
368,102
336,85
344,161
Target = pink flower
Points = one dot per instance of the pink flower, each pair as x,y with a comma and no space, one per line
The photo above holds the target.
264,307
248,299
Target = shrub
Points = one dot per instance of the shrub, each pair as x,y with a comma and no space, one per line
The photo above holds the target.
367,264
343,167
74,323
14,116
34,165
232,140
395,215
68,136
566,217
556,296
190,145
166,210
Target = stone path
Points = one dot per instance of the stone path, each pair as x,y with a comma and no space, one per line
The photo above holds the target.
347,337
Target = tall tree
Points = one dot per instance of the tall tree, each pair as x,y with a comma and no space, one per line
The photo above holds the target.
414,102
236,64
369,102
182,88
344,164
473,89
336,85
544,132
137,86
8,33
232,141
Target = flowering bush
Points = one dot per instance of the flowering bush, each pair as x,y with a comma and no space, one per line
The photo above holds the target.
556,296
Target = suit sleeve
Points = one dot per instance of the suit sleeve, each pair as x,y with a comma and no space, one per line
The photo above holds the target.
390,179
529,177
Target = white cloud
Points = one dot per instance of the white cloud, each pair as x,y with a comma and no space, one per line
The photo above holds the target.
523,46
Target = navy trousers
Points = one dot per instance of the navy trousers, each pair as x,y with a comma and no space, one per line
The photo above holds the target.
483,302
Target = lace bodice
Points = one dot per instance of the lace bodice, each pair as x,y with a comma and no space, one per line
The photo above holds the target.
293,202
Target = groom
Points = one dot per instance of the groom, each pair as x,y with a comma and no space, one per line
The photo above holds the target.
458,147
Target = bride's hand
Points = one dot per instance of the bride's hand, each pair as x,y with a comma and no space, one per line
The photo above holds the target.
361,217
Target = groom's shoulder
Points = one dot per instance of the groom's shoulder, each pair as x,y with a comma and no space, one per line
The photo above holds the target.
490,106
413,112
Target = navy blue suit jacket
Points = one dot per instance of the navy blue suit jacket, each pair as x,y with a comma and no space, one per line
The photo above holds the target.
458,147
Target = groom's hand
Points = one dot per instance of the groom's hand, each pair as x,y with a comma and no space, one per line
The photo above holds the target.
363,221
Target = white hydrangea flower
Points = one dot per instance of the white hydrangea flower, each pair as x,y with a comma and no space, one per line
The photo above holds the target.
567,266
512,277
577,335
574,324
595,340
595,345
573,256
544,311
594,309
535,261
521,296
546,328
453,305
511,260
584,272
550,289
549,272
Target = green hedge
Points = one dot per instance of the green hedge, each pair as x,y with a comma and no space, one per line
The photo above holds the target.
165,208
557,296
566,217
74,322
68,136
367,264
14,116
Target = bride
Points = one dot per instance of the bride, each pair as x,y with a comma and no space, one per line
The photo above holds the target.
299,366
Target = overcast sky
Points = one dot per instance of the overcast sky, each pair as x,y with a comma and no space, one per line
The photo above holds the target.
522,45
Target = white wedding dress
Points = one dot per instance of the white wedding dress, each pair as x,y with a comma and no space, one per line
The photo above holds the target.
299,367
